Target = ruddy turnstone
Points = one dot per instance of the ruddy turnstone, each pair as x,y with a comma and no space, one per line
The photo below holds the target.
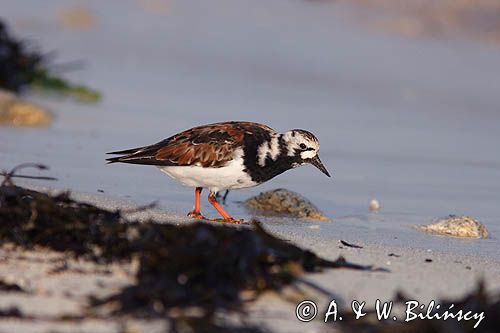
227,155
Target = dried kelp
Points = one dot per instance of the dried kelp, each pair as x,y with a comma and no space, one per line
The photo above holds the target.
10,287
477,302
8,175
201,265
343,242
23,66
18,64
202,325
30,218
12,312
208,266
196,264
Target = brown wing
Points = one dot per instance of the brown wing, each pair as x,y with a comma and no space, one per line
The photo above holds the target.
208,146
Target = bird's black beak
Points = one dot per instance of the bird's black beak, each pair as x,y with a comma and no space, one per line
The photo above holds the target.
318,164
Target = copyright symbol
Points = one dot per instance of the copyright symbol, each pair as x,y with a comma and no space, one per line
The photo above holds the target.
306,311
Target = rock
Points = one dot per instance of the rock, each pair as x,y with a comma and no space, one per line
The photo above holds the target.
282,202
457,226
77,18
17,112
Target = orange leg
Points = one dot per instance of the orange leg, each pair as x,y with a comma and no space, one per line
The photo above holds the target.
225,215
196,213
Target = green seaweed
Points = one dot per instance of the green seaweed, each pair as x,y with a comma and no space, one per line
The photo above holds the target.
22,66
44,81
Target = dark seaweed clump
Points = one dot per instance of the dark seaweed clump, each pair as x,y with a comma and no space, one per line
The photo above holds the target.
23,66
477,301
30,218
208,266
10,287
18,65
201,264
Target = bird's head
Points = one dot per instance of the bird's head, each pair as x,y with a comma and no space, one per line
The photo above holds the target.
303,147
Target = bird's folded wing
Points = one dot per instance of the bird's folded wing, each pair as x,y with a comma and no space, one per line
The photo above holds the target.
208,146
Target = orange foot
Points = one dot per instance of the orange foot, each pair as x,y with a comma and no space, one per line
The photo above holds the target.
197,215
230,220
236,221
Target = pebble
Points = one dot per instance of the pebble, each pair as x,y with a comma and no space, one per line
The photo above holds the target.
283,202
456,226
17,112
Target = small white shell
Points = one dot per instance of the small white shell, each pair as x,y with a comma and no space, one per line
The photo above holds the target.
374,205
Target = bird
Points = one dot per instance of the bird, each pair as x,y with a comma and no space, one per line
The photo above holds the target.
225,156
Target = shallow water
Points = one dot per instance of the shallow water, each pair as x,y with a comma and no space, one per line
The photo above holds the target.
413,123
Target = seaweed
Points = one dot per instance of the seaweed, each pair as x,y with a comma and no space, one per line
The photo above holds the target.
12,312
30,218
343,242
18,64
10,287
195,264
22,66
208,266
202,325
201,265
8,175
477,301
44,80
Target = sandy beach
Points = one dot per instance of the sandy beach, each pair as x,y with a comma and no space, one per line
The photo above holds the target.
411,122
421,274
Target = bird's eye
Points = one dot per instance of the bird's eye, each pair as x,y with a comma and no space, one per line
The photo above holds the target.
302,146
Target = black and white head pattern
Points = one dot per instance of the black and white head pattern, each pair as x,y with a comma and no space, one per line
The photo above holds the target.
302,145
275,153
297,145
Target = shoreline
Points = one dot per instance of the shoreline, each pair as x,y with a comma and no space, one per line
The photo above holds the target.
419,274
383,229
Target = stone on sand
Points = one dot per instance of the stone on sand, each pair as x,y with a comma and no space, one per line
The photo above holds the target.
281,202
457,226
17,112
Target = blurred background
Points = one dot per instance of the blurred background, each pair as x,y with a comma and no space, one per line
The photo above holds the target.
404,96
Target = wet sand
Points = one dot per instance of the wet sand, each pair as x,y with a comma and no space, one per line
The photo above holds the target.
411,122
423,275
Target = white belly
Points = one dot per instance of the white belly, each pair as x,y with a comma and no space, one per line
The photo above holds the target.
215,179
